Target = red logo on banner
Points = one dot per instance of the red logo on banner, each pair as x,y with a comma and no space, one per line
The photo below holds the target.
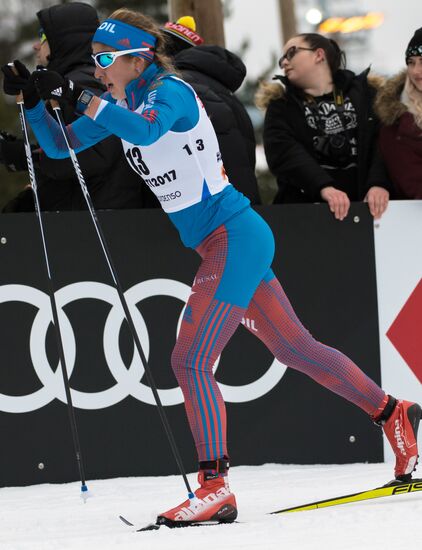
406,332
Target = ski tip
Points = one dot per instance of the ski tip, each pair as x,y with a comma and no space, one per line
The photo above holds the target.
149,527
126,521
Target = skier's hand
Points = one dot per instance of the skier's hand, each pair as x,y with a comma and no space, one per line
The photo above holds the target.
52,85
16,77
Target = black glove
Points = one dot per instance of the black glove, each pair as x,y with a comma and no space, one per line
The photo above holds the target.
52,85
14,84
5,136
12,152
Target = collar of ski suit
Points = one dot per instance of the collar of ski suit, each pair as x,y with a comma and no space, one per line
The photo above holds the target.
136,89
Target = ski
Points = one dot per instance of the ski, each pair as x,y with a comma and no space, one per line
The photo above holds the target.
163,522
385,491
126,521
149,527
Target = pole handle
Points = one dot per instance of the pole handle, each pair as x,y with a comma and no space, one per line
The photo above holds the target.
54,103
19,97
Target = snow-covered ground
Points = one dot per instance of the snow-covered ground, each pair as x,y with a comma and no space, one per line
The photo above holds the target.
46,517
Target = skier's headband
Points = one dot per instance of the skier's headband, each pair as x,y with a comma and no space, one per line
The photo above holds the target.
122,36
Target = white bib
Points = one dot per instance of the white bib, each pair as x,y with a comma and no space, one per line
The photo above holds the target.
181,168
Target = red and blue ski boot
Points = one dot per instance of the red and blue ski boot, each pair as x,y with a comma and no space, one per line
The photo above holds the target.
400,421
213,501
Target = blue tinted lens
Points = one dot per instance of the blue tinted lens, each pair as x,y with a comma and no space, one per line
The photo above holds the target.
104,60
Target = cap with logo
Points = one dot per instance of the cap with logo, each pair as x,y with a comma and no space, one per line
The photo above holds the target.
184,29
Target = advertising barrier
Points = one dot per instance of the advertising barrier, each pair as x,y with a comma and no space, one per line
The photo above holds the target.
398,246
274,414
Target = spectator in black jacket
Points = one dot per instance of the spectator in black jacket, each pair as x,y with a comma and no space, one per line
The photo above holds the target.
320,130
64,46
215,74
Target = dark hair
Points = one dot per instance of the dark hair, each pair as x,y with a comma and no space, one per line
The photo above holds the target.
336,58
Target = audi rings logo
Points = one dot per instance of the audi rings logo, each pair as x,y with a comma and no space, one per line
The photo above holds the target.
127,379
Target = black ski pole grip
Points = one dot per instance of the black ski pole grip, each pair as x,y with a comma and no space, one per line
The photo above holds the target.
19,97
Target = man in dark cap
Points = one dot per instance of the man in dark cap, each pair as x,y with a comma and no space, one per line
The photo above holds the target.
215,74
64,45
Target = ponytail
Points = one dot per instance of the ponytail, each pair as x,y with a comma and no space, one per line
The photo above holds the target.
336,58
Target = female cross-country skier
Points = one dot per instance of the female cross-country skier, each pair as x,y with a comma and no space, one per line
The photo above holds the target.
170,142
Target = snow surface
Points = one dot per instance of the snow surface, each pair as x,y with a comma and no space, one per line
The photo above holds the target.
45,517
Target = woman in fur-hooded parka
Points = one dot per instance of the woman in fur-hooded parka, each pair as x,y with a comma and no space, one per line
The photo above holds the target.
400,141
399,107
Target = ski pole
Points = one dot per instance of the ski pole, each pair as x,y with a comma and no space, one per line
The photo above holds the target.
59,341
123,301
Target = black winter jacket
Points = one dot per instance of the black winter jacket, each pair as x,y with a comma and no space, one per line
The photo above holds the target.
215,74
110,180
289,148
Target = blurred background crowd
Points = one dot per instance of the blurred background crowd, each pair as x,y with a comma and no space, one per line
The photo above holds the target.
341,122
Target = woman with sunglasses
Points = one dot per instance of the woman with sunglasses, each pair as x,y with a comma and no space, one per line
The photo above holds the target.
320,130
170,142
399,107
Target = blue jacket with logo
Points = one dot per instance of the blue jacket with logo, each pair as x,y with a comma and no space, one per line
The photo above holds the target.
175,108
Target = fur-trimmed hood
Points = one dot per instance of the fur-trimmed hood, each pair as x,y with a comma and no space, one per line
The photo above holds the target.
388,104
268,91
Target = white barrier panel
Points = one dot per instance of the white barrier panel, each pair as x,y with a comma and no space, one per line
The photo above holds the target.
398,254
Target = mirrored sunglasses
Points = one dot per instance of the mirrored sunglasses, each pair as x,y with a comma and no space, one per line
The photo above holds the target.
106,59
291,52
42,36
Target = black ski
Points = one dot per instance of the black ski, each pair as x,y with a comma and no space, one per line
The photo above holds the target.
164,522
391,489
